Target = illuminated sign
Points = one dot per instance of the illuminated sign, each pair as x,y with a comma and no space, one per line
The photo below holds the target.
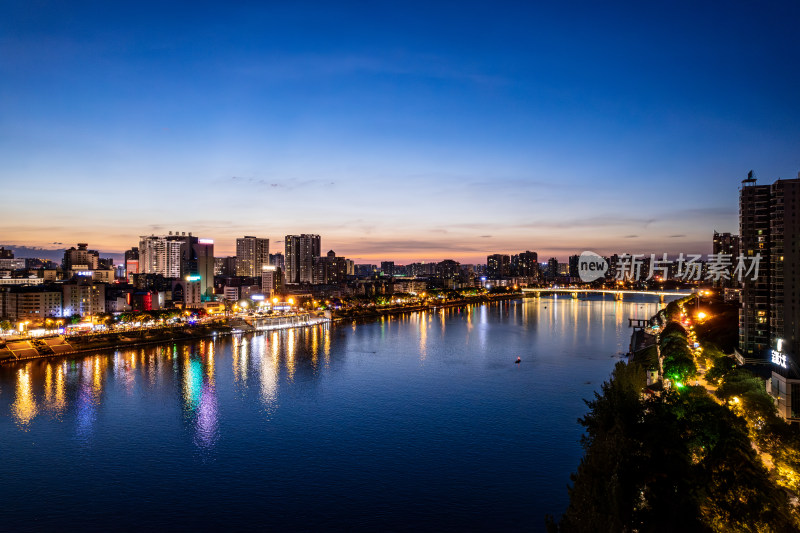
257,297
205,241
193,277
779,358
84,273
268,268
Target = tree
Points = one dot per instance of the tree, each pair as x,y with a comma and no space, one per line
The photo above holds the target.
720,368
677,462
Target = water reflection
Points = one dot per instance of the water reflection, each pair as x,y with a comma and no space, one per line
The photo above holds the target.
24,408
89,393
55,391
256,368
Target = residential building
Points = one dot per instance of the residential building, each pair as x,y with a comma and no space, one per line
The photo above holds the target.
34,303
252,253
498,266
277,260
270,280
769,318
83,298
301,252
726,244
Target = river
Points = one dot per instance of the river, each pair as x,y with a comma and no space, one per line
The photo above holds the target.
414,422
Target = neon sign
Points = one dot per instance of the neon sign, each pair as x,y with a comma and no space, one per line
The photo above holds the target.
778,357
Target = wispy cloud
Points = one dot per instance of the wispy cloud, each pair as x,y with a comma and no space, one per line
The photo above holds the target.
286,184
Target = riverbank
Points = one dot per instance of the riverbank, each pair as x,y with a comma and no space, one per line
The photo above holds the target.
377,312
61,345
714,437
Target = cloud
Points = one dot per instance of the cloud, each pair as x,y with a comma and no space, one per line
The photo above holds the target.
630,237
287,184
411,245
677,236
486,236
599,221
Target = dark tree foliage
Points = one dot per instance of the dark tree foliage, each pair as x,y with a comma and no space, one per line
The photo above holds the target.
673,328
738,382
648,358
721,367
678,462
673,311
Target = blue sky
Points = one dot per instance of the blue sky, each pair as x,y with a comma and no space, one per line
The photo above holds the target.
396,130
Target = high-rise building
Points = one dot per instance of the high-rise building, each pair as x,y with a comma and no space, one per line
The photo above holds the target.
573,266
228,266
498,266
726,244
203,254
769,318
177,255
387,268
301,252
754,231
448,270
552,268
277,260
252,253
161,254
6,253
330,269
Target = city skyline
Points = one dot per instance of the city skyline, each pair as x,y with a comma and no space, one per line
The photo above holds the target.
403,134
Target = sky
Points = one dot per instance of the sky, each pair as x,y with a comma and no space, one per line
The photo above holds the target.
397,131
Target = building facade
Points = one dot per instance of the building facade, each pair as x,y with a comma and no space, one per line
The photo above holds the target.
252,253
498,266
769,317
83,298
301,253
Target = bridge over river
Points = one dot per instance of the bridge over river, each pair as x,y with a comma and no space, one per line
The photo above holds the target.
618,293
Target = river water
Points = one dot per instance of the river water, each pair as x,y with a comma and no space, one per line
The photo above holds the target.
414,422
